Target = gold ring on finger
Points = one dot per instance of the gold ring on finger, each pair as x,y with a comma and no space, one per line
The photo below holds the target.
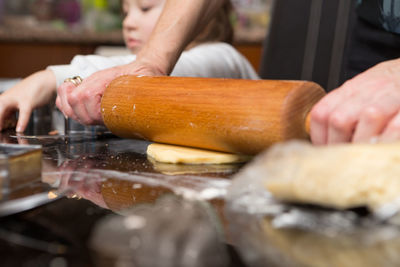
76,80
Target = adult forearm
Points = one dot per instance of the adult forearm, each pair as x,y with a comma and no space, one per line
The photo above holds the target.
179,23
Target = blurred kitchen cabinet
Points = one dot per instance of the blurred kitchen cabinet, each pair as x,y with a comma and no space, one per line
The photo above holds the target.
20,59
253,53
38,33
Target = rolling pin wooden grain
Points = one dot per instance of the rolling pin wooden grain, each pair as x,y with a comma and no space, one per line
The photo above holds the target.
230,115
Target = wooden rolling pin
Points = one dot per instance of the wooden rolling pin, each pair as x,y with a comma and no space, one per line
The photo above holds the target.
230,115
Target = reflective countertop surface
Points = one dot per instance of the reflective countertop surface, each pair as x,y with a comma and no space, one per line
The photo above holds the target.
99,201
86,179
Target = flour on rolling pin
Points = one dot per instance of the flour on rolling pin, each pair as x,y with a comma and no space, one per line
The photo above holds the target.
339,176
207,112
178,154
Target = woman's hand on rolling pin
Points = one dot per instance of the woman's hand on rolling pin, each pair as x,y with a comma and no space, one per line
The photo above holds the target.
34,91
83,102
365,107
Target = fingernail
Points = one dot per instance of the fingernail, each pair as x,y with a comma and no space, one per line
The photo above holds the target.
19,129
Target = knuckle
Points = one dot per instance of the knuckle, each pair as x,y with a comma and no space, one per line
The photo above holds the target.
79,97
339,121
62,87
319,114
86,95
73,98
372,114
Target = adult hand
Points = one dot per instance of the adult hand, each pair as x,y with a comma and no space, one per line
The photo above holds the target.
365,107
82,103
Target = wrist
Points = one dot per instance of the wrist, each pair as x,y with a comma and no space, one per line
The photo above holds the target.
46,80
156,60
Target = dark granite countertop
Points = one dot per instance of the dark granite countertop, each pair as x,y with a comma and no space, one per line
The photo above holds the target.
100,202
89,178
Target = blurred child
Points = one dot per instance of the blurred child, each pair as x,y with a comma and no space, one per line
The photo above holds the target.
209,55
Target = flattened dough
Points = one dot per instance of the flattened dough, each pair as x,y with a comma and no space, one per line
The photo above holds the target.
178,154
179,169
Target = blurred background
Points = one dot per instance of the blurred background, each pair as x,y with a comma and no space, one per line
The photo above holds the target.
38,33
100,15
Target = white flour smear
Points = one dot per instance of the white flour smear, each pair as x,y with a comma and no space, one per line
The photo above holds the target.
188,186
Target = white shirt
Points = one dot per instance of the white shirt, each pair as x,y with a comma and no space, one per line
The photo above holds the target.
215,60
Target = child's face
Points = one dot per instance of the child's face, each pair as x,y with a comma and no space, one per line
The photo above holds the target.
140,18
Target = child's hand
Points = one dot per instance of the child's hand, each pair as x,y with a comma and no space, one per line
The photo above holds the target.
34,91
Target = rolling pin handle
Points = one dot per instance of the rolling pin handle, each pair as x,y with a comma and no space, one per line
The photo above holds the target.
307,123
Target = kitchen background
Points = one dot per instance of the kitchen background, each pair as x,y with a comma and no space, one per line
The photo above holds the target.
37,33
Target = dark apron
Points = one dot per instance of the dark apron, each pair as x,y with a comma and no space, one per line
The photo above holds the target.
371,41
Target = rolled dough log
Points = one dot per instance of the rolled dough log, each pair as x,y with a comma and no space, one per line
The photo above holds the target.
178,154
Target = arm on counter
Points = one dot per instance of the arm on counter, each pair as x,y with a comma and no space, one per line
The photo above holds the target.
34,91
365,107
39,89
179,22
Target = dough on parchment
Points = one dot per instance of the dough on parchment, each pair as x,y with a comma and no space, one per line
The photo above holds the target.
178,154
339,176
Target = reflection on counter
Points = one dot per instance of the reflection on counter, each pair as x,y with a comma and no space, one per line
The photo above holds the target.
263,243
114,175
150,235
